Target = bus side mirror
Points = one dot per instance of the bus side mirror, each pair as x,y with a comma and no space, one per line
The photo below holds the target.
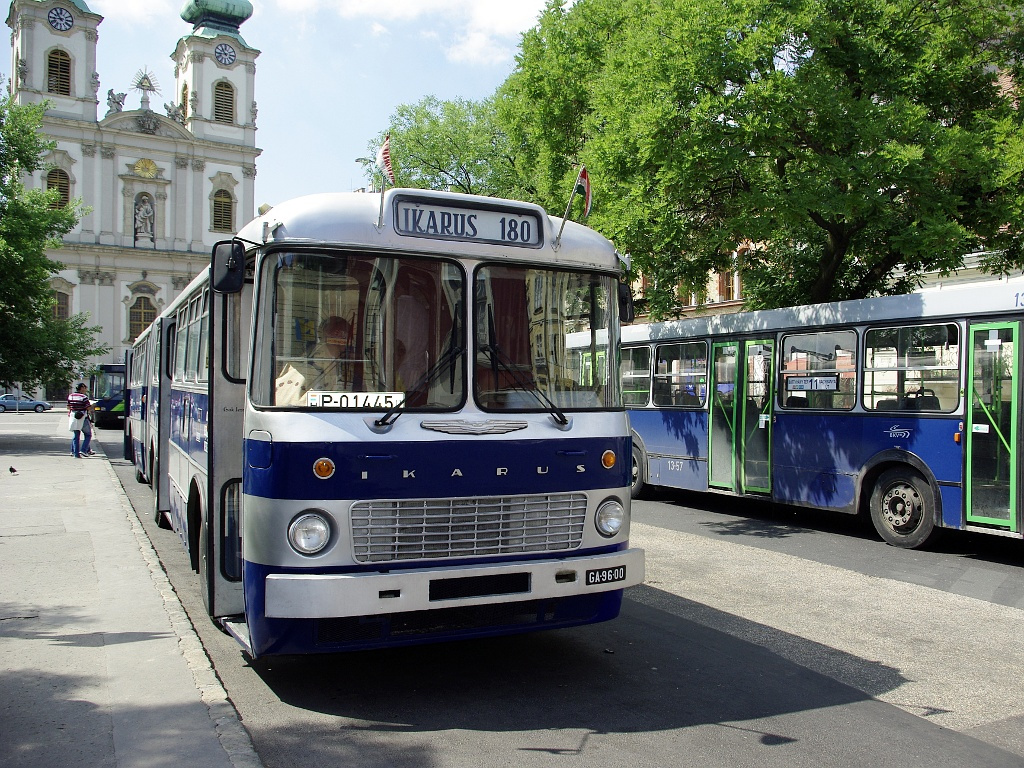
627,311
227,271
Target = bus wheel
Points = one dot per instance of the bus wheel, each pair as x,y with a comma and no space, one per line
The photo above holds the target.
637,484
139,477
903,508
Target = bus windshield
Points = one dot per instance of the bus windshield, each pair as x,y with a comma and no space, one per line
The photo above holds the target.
107,385
541,339
357,330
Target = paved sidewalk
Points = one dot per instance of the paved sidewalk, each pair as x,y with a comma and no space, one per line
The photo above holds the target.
99,664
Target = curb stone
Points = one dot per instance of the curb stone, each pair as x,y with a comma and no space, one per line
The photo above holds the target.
231,734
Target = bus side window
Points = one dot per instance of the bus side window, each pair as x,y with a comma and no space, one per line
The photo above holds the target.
912,368
821,368
635,374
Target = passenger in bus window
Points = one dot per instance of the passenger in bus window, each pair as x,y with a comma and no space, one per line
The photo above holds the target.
332,359
328,369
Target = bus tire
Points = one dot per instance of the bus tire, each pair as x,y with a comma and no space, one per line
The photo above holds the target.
139,477
903,508
637,484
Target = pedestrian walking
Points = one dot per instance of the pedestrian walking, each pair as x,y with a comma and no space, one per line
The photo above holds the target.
79,422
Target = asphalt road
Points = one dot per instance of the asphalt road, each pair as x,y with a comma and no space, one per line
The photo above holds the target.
763,637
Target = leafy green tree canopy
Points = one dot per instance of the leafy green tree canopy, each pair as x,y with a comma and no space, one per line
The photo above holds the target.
449,145
35,347
851,145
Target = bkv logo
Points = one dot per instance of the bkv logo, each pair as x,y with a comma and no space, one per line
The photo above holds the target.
896,431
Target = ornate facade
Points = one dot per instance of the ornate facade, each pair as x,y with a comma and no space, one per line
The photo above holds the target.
160,187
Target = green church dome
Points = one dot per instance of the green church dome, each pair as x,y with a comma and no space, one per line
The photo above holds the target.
222,14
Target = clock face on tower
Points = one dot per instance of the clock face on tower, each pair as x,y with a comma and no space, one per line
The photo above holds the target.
225,54
60,19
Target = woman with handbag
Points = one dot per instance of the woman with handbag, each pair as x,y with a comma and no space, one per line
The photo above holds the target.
78,422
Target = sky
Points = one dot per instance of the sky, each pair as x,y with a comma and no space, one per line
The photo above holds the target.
330,73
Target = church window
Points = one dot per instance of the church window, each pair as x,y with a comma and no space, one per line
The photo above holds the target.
223,211
184,101
58,73
224,103
140,315
59,180
61,305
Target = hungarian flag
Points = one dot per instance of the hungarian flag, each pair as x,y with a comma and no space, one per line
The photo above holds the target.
583,188
384,160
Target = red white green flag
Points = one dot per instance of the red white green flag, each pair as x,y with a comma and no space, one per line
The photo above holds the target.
384,159
583,188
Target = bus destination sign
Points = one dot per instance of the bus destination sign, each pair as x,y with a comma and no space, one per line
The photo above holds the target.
441,220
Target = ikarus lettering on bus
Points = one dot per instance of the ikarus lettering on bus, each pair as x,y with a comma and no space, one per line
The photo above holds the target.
442,220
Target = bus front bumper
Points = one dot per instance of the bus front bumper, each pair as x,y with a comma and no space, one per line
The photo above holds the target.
314,596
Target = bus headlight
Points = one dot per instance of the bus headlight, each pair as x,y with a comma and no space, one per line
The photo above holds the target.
609,518
309,533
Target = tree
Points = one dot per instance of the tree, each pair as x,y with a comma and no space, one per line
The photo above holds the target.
852,144
35,346
546,104
450,145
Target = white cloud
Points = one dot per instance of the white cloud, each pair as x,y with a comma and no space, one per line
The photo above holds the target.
479,47
146,13
471,31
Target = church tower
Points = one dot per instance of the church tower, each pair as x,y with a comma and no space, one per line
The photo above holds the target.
215,74
159,188
53,56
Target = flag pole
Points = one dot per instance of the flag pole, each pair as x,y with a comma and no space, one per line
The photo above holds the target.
558,237
384,166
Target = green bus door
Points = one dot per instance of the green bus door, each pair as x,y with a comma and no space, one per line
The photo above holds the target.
739,430
993,426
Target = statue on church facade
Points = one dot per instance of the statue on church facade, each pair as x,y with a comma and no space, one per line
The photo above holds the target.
115,102
175,112
144,215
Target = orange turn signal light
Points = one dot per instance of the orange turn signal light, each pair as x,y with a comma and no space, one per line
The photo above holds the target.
608,459
323,468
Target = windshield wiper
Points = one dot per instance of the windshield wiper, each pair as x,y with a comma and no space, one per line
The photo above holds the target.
500,359
447,360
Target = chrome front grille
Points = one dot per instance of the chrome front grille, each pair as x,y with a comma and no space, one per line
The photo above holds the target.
413,529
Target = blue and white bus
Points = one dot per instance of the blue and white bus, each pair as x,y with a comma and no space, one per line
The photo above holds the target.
147,425
904,407
376,434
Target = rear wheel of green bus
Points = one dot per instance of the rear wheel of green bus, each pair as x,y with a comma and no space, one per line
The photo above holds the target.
903,508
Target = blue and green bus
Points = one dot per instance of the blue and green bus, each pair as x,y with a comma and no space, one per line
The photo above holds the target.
906,408
106,391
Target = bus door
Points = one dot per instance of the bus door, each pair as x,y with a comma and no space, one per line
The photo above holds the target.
993,425
221,550
759,391
723,429
739,453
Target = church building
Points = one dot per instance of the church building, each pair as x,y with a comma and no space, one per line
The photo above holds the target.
161,182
